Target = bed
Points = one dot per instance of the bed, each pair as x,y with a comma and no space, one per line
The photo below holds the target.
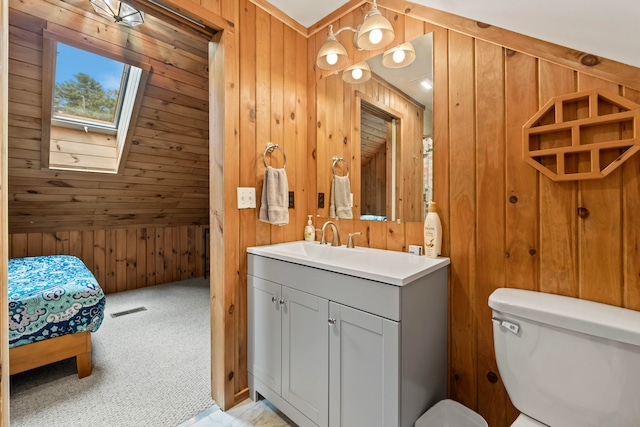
55,303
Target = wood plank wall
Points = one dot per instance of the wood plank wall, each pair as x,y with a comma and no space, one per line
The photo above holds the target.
164,181
505,224
125,258
273,72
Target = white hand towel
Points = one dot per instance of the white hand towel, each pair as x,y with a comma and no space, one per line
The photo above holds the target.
274,206
340,198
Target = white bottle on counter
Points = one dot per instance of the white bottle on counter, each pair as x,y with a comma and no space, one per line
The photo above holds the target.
309,231
432,232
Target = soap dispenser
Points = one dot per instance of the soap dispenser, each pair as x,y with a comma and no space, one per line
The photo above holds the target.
309,231
432,232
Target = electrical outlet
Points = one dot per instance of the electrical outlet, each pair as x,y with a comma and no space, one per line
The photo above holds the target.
246,197
320,200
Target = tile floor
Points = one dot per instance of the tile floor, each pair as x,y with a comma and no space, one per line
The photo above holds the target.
246,414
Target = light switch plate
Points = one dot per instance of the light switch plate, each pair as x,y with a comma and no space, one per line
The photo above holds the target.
246,197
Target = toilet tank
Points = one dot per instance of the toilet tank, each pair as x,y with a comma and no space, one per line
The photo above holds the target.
567,362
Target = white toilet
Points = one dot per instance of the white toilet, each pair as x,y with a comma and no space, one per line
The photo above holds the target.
567,362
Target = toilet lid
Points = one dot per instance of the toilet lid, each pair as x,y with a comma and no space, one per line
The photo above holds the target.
525,421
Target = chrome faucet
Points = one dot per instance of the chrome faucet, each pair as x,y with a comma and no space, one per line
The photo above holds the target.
336,234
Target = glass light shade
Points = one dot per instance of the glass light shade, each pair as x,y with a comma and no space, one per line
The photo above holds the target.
375,32
332,55
119,12
357,73
399,56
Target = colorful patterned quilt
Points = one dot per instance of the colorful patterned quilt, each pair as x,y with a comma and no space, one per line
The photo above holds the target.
51,296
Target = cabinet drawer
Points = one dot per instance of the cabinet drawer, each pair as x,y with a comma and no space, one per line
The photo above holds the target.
382,299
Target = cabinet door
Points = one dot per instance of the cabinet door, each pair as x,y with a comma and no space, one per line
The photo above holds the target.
305,354
264,335
363,369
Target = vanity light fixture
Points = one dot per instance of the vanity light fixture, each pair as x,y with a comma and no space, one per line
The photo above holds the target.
399,56
374,32
118,11
357,73
332,55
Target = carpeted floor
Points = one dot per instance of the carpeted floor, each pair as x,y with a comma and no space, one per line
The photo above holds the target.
150,368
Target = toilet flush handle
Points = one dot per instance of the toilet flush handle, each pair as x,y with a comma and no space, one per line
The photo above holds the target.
510,326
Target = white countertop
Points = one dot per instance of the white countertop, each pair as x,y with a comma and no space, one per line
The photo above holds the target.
393,267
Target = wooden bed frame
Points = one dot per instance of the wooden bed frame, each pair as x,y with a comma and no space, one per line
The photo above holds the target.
51,350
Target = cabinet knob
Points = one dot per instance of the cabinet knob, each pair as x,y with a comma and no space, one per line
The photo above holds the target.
332,321
275,299
282,301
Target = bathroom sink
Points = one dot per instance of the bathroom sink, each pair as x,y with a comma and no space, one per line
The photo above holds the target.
387,266
314,251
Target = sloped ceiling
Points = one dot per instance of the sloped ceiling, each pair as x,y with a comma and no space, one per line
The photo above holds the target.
610,29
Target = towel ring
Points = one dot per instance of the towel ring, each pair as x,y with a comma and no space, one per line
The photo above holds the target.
336,160
270,147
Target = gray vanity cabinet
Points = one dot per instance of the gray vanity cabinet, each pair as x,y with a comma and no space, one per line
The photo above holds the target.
335,350
364,367
288,354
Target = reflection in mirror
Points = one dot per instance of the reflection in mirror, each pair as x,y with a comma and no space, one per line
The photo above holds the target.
384,126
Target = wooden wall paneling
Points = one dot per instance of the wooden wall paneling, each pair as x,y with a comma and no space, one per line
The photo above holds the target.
311,126
48,244
463,215
377,234
558,208
100,258
521,191
302,166
248,173
294,230
18,246
62,242
175,253
152,256
121,259
263,112
142,252
396,236
198,252
163,259
86,250
131,259
110,285
600,234
631,233
413,235
192,243
490,219
174,127
277,67
236,348
225,226
34,244
322,176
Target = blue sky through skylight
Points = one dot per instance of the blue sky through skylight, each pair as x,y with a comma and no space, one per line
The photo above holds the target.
72,61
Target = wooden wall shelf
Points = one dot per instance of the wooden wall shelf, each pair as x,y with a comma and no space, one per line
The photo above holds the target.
582,135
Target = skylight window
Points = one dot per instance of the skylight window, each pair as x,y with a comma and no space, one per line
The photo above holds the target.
88,88
93,98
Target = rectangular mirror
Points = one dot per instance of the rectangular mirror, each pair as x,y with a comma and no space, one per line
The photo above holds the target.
383,130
